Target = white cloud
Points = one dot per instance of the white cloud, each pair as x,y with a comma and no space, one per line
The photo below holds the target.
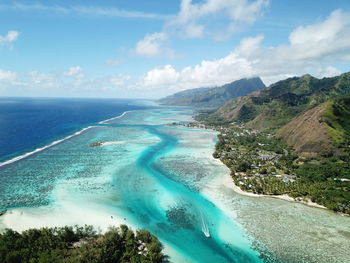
152,45
73,82
41,80
161,76
323,39
197,19
120,80
7,78
6,75
314,49
75,72
311,49
329,71
10,37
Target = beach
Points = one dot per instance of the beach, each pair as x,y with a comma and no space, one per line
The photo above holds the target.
128,180
150,175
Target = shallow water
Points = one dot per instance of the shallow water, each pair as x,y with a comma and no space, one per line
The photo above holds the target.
155,176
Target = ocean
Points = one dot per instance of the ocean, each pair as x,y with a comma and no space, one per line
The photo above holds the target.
148,174
30,123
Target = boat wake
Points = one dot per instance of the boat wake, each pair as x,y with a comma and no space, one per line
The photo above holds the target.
205,228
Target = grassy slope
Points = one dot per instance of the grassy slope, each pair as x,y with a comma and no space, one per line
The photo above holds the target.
337,117
287,100
315,116
308,133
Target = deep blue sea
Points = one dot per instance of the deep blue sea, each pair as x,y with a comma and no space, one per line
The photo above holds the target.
29,123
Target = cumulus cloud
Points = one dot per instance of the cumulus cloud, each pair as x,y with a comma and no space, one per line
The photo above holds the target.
152,45
327,38
161,76
42,80
197,19
9,38
76,73
119,80
33,79
310,49
72,81
7,78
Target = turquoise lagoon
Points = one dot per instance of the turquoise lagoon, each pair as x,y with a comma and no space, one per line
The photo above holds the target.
162,178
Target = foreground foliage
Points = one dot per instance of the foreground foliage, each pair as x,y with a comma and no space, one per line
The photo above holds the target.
79,244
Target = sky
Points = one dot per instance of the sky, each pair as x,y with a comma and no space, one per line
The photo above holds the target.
153,48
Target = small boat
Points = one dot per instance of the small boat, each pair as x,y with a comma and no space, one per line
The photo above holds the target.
207,234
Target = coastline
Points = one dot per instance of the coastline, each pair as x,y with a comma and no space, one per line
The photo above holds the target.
20,157
25,155
66,210
228,182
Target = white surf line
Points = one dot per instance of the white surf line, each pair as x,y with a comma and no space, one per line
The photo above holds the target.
119,116
15,159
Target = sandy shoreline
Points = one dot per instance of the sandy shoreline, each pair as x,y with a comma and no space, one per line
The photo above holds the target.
284,197
228,182
21,219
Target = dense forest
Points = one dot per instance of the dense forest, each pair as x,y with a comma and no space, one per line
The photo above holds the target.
80,244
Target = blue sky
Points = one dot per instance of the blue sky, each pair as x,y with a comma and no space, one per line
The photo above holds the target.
148,49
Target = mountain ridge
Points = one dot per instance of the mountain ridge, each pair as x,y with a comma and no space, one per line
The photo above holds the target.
285,105
216,96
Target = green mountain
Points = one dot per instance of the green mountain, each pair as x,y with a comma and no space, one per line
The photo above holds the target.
310,114
214,97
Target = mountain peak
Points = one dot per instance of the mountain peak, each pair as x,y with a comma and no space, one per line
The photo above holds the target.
214,97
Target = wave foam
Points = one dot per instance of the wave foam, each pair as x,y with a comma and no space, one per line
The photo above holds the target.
15,159
120,116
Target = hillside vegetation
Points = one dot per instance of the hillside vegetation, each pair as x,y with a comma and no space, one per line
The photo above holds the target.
79,244
214,97
293,103
290,138
337,118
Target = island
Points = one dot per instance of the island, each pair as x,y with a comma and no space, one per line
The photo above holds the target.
94,144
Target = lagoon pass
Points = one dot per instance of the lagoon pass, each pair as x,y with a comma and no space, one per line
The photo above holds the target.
148,174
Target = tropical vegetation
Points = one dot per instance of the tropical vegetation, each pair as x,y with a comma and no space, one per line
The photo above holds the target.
290,138
79,244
